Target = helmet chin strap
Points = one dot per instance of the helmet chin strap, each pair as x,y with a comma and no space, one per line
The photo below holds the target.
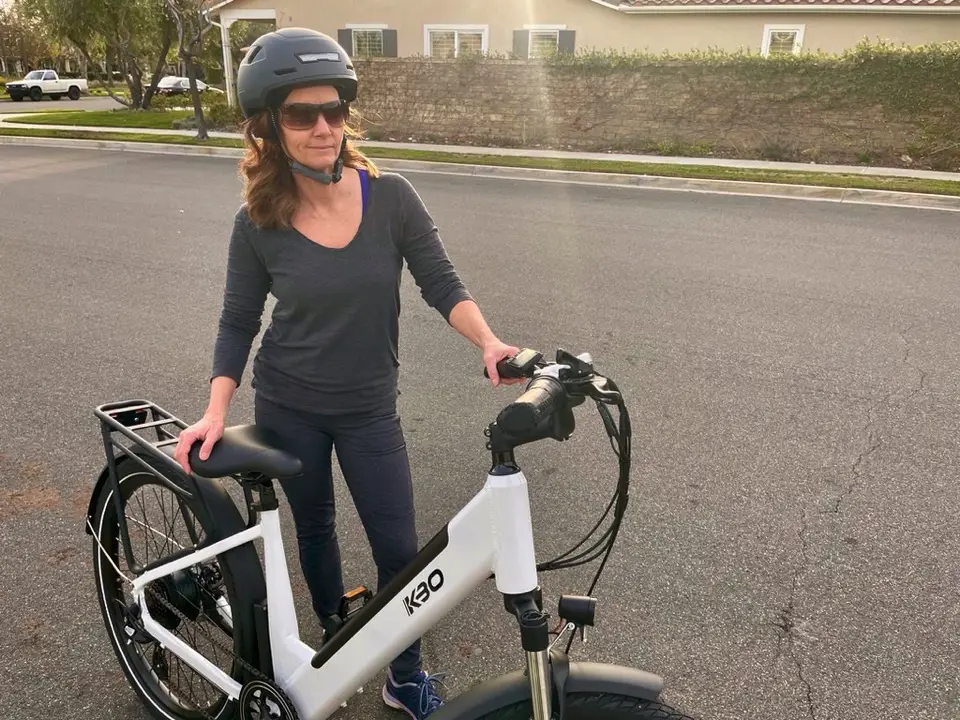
317,175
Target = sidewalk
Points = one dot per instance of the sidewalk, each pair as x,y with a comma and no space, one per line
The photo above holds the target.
7,120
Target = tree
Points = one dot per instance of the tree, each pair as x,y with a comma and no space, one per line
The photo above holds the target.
124,34
24,39
192,25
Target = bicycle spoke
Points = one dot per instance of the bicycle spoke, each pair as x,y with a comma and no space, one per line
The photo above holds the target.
147,528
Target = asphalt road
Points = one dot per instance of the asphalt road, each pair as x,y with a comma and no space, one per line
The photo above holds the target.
47,105
792,370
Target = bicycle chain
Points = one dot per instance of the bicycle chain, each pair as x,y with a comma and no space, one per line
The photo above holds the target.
247,666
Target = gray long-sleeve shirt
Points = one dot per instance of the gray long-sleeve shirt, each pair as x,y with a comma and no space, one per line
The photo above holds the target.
331,346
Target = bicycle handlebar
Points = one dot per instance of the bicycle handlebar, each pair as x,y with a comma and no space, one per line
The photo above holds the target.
543,410
544,395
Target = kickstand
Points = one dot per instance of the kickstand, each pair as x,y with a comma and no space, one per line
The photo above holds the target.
359,692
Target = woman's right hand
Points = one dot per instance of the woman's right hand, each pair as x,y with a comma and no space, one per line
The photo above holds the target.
209,429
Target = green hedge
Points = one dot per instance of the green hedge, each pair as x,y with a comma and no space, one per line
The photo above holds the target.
918,85
907,79
218,114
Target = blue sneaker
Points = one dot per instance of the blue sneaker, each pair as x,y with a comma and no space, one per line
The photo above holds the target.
418,698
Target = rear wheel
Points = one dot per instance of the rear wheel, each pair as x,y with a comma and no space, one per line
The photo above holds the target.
595,706
160,522
73,93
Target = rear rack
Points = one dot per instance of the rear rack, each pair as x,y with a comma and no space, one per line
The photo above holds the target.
128,418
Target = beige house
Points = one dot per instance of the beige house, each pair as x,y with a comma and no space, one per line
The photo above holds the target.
529,28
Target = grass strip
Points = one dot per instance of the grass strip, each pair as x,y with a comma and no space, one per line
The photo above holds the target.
153,119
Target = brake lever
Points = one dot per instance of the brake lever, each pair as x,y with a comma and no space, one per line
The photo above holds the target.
598,391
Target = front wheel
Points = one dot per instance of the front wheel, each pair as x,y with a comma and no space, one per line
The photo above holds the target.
592,691
596,706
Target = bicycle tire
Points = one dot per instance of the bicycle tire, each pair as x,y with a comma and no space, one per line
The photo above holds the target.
595,706
215,519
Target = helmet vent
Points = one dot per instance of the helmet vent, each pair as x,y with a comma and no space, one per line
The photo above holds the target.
318,56
284,71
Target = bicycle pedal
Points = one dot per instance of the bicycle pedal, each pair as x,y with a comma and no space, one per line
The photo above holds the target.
358,594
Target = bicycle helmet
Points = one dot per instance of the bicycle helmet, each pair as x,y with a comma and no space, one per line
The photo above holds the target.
288,58
284,59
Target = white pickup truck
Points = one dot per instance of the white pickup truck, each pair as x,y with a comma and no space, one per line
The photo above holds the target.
38,83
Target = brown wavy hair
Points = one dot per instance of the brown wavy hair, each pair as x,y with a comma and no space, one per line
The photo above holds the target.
269,190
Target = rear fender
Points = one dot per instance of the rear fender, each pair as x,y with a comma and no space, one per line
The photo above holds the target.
220,508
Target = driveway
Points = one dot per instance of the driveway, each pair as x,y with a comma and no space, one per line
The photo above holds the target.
792,370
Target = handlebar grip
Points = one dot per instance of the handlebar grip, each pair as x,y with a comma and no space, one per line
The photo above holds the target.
542,398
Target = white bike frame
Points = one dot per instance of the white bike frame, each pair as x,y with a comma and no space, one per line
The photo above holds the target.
492,534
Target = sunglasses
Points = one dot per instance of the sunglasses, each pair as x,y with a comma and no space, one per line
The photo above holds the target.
303,116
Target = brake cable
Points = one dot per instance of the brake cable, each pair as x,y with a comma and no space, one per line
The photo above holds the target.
620,434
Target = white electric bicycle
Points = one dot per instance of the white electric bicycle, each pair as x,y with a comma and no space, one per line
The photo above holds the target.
202,630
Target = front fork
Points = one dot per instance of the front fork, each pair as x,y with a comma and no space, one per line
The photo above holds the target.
548,669
535,638
540,685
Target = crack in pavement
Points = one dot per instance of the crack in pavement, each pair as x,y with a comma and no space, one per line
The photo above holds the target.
874,443
907,349
787,624
874,438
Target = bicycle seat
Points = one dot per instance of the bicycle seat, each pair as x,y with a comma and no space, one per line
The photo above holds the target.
245,448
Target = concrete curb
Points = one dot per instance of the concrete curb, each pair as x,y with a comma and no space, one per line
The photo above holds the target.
656,182
652,182
122,146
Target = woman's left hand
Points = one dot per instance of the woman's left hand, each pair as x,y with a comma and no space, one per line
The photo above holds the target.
494,352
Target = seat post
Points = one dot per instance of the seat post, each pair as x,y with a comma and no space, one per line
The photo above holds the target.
266,499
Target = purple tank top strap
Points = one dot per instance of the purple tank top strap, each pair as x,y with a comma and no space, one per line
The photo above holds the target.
364,186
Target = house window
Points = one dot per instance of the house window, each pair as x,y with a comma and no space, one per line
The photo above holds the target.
449,41
782,40
368,43
367,40
544,40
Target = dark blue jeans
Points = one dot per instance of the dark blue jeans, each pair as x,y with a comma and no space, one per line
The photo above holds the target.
372,454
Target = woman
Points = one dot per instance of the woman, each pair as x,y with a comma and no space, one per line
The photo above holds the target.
324,231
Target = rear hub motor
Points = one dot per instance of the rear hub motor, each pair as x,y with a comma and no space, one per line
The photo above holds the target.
181,589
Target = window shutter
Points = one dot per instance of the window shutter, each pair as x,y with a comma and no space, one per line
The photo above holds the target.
345,38
390,43
567,41
521,43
